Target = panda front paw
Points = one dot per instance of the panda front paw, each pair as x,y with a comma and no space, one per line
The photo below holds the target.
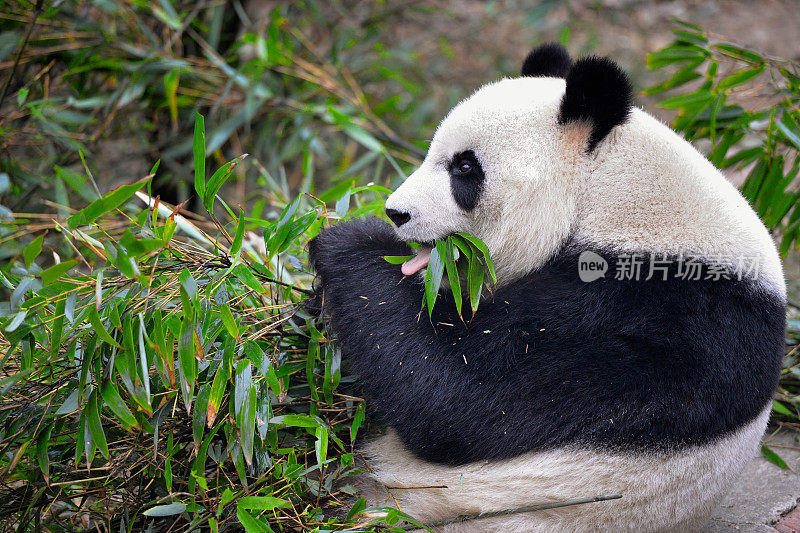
348,247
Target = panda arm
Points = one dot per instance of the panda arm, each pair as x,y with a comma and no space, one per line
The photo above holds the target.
446,388
358,288
348,260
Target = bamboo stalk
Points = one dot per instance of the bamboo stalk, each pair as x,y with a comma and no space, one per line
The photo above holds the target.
526,509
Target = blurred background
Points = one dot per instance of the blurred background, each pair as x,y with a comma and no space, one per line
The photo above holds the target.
317,93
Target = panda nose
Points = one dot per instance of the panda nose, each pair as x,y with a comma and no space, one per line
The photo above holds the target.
398,217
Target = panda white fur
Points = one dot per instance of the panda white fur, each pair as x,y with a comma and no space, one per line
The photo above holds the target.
656,389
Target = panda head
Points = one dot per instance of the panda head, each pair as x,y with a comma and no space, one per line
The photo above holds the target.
505,164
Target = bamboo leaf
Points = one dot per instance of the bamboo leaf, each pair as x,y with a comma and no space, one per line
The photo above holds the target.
82,439
145,365
739,53
186,354
58,328
18,296
397,259
687,24
217,391
282,228
433,278
302,421
199,464
217,180
484,250
95,427
32,251
171,81
248,424
168,464
171,509
100,329
452,274
475,276
272,381
199,153
113,400
18,319
70,404
779,408
773,457
343,204
676,54
358,419
793,137
262,503
250,523
321,444
683,76
42,447
740,77
689,101
744,156
200,415
55,272
229,321
69,306
239,236
245,407
106,203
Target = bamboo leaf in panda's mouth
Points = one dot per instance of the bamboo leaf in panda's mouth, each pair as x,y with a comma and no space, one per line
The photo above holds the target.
484,250
450,263
445,256
397,259
475,277
433,276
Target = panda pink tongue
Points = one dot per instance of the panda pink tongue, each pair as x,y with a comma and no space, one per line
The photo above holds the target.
418,262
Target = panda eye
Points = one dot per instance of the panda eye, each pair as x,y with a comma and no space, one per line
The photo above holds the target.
464,165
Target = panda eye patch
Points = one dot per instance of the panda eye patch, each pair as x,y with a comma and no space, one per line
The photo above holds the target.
466,179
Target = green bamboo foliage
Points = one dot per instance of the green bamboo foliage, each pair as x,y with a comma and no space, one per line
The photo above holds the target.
188,344
465,259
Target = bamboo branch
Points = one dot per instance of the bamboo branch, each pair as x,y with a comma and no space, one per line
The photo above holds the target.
527,509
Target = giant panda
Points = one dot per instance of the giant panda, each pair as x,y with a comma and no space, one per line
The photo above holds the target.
575,377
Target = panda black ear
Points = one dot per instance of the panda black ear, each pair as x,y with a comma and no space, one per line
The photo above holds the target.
598,92
547,60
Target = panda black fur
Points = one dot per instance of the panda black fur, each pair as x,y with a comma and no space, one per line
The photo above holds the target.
658,389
